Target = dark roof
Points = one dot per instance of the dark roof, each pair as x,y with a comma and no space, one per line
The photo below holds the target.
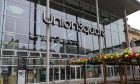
116,7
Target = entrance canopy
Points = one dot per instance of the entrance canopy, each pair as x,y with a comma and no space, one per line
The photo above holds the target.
116,7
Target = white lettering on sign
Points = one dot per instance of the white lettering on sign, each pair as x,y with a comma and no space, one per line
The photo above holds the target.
77,26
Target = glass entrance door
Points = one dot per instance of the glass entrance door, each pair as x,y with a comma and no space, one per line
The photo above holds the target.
110,71
75,72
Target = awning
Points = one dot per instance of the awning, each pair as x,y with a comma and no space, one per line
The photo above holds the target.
116,7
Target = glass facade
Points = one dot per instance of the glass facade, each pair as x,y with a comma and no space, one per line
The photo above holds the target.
22,33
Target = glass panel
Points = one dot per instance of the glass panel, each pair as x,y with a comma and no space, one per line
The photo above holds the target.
8,61
36,15
1,40
115,43
116,71
64,56
21,46
114,27
96,43
112,74
108,42
58,36
1,23
89,44
72,35
83,44
68,72
72,72
22,26
120,22
115,35
34,54
108,72
56,73
72,56
8,53
25,2
107,33
40,29
19,53
102,43
10,23
8,40
51,74
17,10
8,73
55,56
19,39
1,6
82,72
78,72
30,74
97,71
121,29
62,69
71,42
33,61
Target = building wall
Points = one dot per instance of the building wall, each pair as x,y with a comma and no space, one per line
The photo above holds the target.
22,33
134,34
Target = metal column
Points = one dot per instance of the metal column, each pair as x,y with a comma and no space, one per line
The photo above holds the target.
127,41
99,39
98,19
126,29
47,41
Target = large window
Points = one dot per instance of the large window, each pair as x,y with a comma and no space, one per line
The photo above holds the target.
23,19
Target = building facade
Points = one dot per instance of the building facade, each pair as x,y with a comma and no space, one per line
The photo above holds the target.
23,32
133,34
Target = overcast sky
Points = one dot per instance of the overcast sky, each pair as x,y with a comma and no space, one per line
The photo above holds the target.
134,20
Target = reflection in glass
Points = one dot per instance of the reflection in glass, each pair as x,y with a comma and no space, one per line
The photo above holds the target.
41,29
22,26
98,74
115,35
8,40
62,69
114,27
72,72
1,6
122,37
56,73
20,46
10,23
8,73
120,22
17,10
59,33
19,39
7,61
0,40
116,70
82,47
107,33
0,22
68,72
51,74
72,35
89,44
78,72
121,29
96,43
108,42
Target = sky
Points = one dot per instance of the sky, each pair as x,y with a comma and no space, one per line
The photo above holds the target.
134,19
